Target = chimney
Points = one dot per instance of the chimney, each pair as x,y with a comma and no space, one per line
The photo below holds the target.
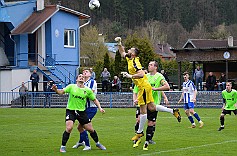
40,5
230,41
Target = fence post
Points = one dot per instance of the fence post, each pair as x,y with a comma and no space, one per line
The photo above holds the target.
110,99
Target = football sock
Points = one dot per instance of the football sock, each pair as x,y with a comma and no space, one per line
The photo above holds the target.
154,129
222,120
163,109
149,131
191,119
196,116
136,126
94,136
84,137
65,138
143,118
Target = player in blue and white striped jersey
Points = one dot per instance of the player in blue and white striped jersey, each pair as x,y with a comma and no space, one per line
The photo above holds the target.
91,110
189,95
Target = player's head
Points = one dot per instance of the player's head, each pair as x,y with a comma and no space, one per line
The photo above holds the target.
228,86
133,52
186,76
153,66
86,73
80,78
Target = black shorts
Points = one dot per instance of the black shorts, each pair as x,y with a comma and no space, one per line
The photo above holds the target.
137,112
229,112
81,116
152,116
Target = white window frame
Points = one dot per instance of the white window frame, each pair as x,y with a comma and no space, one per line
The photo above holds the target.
69,38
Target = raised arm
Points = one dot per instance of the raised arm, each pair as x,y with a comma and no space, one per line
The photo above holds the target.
120,47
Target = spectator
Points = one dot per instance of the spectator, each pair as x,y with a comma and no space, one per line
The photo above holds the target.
165,75
48,94
211,82
116,84
34,77
198,77
92,74
23,91
105,75
222,82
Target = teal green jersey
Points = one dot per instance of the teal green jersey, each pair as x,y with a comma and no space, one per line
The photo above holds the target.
155,81
230,99
78,96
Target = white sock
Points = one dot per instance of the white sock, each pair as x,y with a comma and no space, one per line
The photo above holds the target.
163,109
143,118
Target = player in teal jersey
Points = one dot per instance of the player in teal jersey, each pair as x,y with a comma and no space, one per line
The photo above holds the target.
75,110
229,103
158,84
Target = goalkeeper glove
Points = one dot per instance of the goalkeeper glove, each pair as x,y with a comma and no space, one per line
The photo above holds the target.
118,40
125,74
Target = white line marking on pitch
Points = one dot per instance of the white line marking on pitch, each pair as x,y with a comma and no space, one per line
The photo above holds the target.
191,147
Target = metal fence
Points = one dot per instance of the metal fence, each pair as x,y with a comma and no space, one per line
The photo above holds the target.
206,99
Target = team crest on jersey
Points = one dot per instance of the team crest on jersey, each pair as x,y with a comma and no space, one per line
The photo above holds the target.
85,92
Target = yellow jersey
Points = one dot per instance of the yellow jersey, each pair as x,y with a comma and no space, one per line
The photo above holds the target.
133,66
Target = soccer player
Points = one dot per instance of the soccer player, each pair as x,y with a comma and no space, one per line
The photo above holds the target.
229,103
91,110
157,81
189,95
75,110
139,78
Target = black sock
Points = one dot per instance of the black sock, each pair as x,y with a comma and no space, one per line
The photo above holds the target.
149,131
136,126
222,120
65,138
94,136
154,129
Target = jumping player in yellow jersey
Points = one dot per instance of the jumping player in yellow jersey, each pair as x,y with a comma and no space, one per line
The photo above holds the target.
144,96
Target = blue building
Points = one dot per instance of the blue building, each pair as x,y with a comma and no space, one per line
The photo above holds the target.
35,36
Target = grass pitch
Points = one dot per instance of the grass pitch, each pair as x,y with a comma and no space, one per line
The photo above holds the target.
39,131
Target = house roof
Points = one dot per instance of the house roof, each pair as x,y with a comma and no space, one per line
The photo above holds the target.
38,18
207,43
164,50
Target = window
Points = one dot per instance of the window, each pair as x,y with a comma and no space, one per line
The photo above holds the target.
69,38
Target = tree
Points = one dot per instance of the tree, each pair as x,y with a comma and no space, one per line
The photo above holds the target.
91,47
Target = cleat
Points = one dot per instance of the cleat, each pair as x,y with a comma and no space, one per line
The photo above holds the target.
145,147
137,136
86,148
221,128
177,114
201,124
78,144
100,146
63,149
152,142
137,143
193,126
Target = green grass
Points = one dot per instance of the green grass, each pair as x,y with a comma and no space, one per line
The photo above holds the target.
39,131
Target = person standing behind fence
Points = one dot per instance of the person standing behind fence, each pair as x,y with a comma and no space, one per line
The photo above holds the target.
48,94
92,74
222,82
105,75
198,77
34,77
229,103
189,95
23,93
211,82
